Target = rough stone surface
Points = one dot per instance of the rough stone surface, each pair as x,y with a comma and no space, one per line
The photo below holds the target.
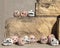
48,7
44,1
30,25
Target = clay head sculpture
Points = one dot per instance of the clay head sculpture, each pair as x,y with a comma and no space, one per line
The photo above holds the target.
26,39
15,39
7,42
54,41
32,38
43,39
24,13
21,41
16,13
50,36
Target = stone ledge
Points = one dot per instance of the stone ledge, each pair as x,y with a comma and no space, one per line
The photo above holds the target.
30,25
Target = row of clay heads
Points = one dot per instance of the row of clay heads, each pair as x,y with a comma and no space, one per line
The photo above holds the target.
19,40
49,39
30,39
23,13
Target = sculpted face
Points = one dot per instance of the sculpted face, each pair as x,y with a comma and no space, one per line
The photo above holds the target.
7,42
32,38
26,39
21,42
50,36
54,41
14,38
16,13
24,13
43,39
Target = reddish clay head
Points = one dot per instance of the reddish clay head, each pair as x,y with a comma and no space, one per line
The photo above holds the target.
24,13
14,38
32,38
43,39
51,36
21,41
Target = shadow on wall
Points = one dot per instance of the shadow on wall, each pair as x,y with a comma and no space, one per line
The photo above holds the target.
55,28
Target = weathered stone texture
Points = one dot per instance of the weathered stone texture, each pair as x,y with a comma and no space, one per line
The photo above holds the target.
48,7
30,25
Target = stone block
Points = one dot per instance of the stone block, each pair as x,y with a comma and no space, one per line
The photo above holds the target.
30,25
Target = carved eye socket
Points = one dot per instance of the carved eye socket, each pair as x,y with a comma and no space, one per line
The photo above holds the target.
16,12
43,39
22,13
22,40
31,38
8,40
13,39
16,38
52,40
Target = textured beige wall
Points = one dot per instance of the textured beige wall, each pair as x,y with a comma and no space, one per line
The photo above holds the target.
8,6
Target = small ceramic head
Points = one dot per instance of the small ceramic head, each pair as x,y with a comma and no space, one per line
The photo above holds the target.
7,41
43,39
54,41
24,13
21,41
32,38
26,39
51,36
15,38
16,13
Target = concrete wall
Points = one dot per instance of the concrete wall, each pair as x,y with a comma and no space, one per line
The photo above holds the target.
1,19
8,6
